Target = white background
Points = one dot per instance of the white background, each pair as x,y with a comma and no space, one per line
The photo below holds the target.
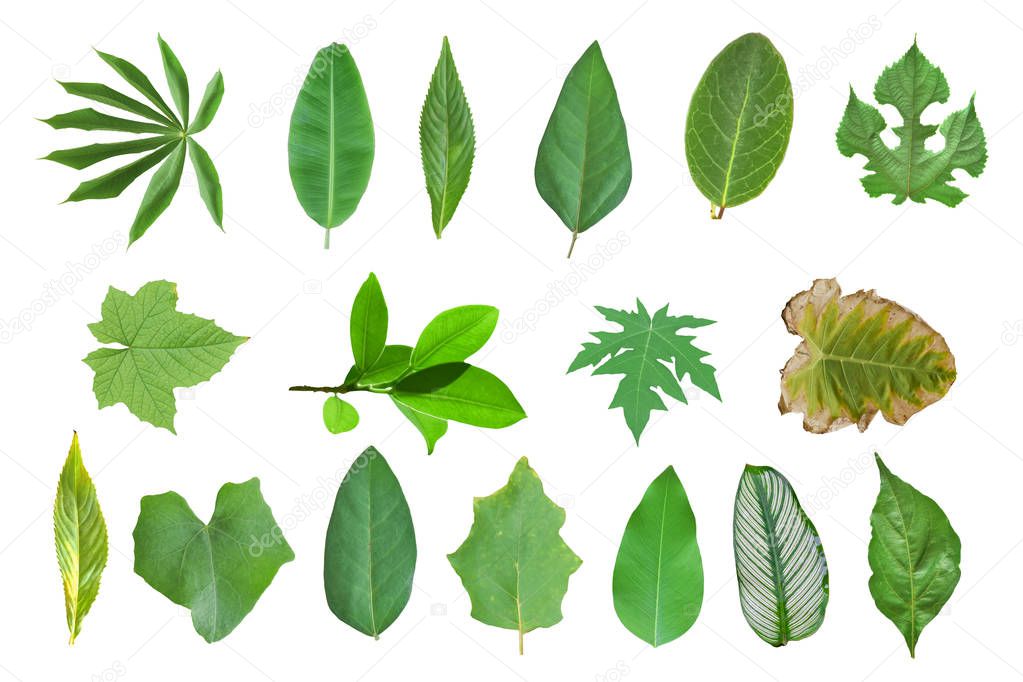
269,278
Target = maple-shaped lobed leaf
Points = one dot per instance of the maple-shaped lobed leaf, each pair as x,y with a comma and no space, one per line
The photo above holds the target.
646,350
163,349
861,354
910,169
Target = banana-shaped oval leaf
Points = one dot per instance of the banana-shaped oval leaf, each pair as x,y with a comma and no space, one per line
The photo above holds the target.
779,559
331,143
861,354
913,554
739,122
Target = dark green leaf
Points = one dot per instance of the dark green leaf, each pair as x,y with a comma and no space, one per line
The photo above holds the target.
159,193
461,393
83,157
107,95
368,326
209,104
339,416
176,79
90,119
431,428
454,335
113,183
138,80
209,181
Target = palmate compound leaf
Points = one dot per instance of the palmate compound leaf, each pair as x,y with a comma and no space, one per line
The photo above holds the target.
370,555
514,564
779,560
861,354
739,121
643,350
218,569
914,556
658,575
80,534
163,349
911,85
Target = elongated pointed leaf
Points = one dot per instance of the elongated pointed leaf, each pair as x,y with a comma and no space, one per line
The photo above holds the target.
176,79
461,393
431,428
208,105
370,557
447,140
330,144
914,556
861,354
140,81
779,559
81,538
90,119
107,95
658,575
392,363
514,564
454,335
583,166
209,181
113,183
160,192
83,157
739,121
368,327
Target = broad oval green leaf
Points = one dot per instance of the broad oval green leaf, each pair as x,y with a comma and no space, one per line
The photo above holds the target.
331,143
392,363
339,416
370,555
447,140
860,354
914,556
218,569
160,192
83,157
739,122
583,166
81,538
104,94
779,560
658,575
368,327
514,563
140,81
454,335
176,79
431,428
461,393
90,119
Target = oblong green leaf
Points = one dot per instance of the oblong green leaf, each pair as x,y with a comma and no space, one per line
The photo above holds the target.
90,119
431,428
454,335
177,80
330,143
461,393
140,81
339,416
83,157
779,560
739,121
658,575
392,363
370,556
113,183
209,181
160,192
447,140
107,95
81,538
914,556
209,104
583,166
368,326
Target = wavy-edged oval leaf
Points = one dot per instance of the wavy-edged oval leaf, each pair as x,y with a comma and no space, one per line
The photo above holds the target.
461,393
914,556
331,143
861,354
658,575
514,563
447,140
454,335
739,122
779,559
209,181
81,538
339,416
160,192
431,428
370,555
111,184
368,326
104,94
176,79
583,166
83,157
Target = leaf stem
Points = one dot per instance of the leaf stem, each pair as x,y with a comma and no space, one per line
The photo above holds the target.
324,389
575,235
326,238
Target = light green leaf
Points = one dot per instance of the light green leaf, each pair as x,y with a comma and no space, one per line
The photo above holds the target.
447,140
209,182
368,327
860,354
83,157
160,192
218,569
911,85
116,181
514,564
739,122
140,81
209,104
330,144
81,538
644,351
779,560
454,335
658,575
461,393
163,349
339,416
370,557
431,428
90,119
392,363
583,166
104,94
176,79
914,556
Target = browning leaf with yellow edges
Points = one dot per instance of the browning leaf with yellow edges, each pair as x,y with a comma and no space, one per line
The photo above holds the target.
861,354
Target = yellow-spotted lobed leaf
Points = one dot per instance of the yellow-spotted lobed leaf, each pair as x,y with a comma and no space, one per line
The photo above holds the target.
861,354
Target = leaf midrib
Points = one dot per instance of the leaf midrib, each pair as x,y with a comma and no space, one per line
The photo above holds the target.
781,606
735,142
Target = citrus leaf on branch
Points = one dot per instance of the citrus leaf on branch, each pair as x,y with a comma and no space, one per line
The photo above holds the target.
646,350
861,354
910,170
